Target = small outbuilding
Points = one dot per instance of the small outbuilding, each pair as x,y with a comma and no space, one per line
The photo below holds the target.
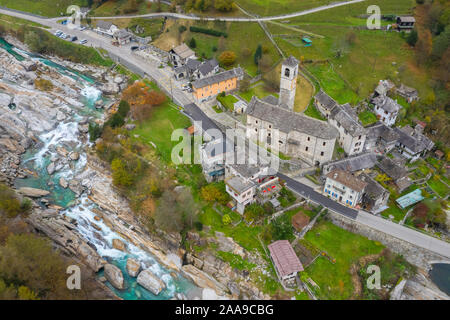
286,262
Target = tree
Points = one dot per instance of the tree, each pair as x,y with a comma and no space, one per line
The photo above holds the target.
282,228
124,108
258,54
223,5
245,85
412,38
121,176
215,192
95,131
226,220
265,63
227,58
192,43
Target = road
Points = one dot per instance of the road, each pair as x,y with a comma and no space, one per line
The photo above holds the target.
164,78
231,19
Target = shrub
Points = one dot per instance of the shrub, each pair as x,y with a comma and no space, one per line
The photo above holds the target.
226,220
95,131
227,58
210,32
192,43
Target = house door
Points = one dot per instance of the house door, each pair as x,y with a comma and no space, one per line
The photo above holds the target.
340,198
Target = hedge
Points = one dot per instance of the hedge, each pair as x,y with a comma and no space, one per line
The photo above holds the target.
211,32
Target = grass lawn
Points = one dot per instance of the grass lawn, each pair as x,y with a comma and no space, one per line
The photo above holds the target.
347,248
117,7
257,89
367,118
438,186
48,8
217,109
275,7
312,112
152,27
228,101
395,211
158,129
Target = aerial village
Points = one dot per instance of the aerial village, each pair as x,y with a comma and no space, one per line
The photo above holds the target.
339,178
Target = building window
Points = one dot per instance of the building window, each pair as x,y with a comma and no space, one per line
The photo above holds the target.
280,142
324,144
306,149
309,139
321,153
256,121
359,138
287,72
270,126
256,129
268,134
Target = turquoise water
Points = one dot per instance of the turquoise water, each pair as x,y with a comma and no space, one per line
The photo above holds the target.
39,157
440,274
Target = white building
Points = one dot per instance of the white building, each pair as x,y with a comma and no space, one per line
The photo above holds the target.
106,28
324,103
352,135
213,155
386,109
344,187
288,84
247,184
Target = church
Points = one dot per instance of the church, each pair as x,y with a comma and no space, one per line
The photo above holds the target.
299,136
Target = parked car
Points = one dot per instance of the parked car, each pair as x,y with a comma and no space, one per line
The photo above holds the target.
82,28
83,41
133,48
58,33
74,38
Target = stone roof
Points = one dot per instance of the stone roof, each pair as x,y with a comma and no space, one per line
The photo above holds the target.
105,25
246,170
122,33
384,86
291,62
183,51
347,179
345,116
386,104
380,130
238,184
207,66
271,99
196,114
373,189
407,91
413,140
355,163
218,147
180,69
284,258
223,76
390,168
325,100
287,121
192,64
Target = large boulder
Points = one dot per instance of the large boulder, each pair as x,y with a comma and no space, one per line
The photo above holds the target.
118,244
114,276
63,183
74,156
33,192
133,267
51,168
150,282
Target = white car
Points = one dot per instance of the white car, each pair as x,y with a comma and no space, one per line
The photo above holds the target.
83,41
58,33
82,28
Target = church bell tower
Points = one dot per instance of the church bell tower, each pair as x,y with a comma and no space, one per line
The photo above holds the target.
288,84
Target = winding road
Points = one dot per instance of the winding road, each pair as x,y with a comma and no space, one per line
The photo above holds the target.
163,76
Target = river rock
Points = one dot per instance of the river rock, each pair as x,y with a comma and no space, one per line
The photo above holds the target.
33,192
62,151
130,126
63,183
114,276
150,282
74,156
51,168
133,267
118,244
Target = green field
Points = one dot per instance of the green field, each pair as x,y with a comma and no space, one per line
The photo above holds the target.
259,90
367,118
228,101
346,248
275,7
312,112
438,186
119,7
158,129
48,8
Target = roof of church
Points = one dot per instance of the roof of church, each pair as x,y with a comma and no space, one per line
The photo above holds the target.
286,121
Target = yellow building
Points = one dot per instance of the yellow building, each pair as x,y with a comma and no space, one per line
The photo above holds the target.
206,88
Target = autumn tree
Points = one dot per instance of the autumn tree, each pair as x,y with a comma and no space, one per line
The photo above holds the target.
214,192
227,58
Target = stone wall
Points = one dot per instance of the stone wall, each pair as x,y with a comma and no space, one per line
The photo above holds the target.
415,255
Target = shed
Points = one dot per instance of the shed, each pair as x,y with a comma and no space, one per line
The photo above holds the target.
307,41
285,260
300,220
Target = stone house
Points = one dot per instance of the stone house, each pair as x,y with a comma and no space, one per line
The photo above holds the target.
380,138
386,109
342,186
213,156
122,37
375,196
410,94
179,55
412,143
352,164
352,135
299,136
324,103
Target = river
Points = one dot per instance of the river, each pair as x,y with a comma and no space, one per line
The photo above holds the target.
440,274
37,158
